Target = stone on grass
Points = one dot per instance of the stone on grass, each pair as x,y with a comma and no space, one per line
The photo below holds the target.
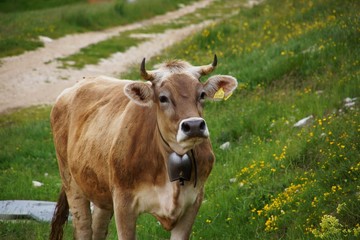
303,122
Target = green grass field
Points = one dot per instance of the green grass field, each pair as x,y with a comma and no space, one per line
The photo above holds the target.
22,22
93,53
276,181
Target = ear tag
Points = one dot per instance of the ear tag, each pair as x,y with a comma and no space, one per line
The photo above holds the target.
219,94
227,97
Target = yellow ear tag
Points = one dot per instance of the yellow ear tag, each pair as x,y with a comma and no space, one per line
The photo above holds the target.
219,94
227,97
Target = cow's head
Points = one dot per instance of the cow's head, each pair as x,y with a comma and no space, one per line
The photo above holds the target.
178,97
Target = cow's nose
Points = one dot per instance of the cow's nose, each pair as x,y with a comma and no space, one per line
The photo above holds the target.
194,127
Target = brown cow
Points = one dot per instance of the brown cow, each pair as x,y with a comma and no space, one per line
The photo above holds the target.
131,147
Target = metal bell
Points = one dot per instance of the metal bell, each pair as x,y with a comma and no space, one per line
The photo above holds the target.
179,167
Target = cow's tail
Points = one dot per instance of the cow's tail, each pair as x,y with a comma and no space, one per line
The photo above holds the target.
60,217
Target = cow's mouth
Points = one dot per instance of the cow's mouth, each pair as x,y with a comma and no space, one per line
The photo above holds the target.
191,143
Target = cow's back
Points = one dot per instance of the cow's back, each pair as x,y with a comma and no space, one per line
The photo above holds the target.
86,99
84,120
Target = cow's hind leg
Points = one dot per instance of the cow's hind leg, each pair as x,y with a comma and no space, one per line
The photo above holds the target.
100,222
81,214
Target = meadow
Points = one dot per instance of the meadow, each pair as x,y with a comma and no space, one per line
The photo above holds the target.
293,59
93,53
22,21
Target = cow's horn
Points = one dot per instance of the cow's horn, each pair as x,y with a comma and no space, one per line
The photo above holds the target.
214,63
144,74
206,69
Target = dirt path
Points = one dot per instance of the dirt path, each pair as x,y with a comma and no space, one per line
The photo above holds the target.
34,78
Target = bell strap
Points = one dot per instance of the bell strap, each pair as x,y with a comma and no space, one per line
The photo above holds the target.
192,154
195,166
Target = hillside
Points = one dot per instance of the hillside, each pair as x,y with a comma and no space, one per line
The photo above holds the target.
279,179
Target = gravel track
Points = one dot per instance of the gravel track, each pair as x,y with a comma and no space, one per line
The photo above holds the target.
34,78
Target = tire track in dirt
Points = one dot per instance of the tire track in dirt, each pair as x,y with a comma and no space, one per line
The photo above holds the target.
34,78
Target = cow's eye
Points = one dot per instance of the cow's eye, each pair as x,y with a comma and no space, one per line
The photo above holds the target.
163,99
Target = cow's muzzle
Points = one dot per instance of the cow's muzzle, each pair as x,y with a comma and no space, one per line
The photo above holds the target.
190,128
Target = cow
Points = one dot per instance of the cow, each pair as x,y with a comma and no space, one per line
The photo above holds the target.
131,147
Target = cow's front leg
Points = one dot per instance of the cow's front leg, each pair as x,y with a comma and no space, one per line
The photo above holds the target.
125,215
100,222
183,227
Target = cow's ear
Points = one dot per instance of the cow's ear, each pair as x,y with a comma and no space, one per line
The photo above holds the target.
140,92
220,87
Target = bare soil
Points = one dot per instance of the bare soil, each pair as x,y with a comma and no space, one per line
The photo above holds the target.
34,78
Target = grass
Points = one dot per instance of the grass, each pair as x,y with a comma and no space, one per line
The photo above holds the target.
275,181
7,6
93,53
20,27
21,155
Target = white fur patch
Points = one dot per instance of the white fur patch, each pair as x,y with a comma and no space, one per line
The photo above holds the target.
181,136
160,200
